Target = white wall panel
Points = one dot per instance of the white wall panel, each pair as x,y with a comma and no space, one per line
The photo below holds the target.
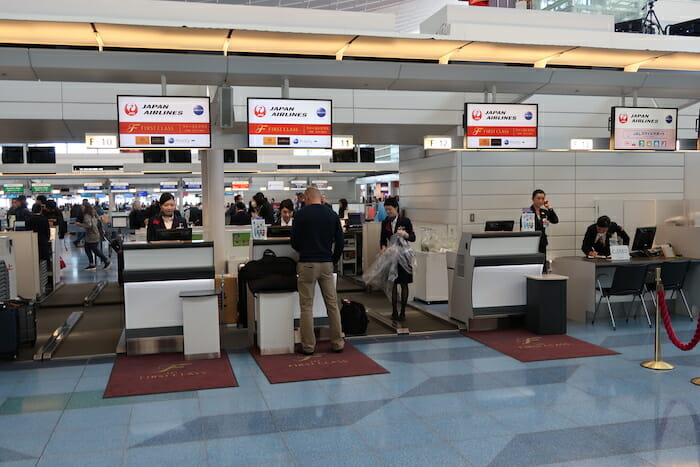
548,172
629,186
555,158
424,100
497,158
491,188
83,111
29,110
448,202
429,189
553,186
402,117
629,173
30,91
447,174
599,159
497,173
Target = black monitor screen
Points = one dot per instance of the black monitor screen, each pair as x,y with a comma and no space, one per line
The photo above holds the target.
499,226
41,155
344,155
12,155
278,231
174,234
154,156
229,155
355,218
247,155
643,238
182,156
366,154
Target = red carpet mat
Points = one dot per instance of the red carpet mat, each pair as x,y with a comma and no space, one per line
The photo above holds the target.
528,347
323,364
156,374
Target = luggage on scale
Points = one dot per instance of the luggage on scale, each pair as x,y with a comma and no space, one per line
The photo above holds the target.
17,326
271,273
353,318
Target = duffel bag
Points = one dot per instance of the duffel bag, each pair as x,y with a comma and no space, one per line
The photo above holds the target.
271,273
353,318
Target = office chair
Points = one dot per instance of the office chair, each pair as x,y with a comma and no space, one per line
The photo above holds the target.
628,280
673,274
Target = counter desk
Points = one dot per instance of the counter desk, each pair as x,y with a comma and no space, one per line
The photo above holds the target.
583,272
155,274
489,274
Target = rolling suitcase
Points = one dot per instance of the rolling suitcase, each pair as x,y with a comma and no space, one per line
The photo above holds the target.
8,332
353,318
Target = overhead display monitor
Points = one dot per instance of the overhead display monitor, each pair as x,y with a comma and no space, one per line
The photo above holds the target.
164,122
289,123
501,126
644,129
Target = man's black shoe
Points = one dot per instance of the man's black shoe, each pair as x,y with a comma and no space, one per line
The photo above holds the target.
304,352
338,350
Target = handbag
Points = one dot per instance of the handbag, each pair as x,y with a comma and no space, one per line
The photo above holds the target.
271,273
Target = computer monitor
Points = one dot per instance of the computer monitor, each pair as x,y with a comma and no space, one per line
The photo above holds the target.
184,235
355,219
643,238
279,231
120,222
499,226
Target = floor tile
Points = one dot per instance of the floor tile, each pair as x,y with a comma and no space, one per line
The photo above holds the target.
28,423
67,442
92,383
500,399
95,417
101,459
680,456
351,460
438,405
325,441
467,426
241,424
29,444
480,452
180,410
304,418
190,454
537,418
245,450
358,392
393,411
399,434
163,432
286,400
435,454
232,403
47,403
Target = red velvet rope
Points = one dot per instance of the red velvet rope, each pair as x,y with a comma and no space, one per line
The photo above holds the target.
669,329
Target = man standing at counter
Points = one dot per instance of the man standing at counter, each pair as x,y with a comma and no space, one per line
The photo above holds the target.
318,237
598,237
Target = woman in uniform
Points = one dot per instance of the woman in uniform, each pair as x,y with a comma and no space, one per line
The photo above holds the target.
166,219
401,226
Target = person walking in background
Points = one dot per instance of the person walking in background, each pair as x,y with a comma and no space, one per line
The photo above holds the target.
299,203
93,238
241,216
394,224
318,237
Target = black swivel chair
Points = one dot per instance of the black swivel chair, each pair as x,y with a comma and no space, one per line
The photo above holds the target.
628,280
673,274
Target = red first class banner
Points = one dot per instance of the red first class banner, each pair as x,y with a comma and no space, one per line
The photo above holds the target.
503,131
288,129
150,128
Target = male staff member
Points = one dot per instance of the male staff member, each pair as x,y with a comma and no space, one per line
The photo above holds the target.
318,237
596,242
544,216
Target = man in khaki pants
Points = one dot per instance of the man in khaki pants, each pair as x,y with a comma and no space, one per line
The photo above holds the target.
318,237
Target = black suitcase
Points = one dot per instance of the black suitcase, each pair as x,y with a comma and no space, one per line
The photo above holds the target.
26,322
8,332
353,318
272,273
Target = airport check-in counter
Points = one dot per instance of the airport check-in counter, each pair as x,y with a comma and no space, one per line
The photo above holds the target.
489,275
155,274
275,315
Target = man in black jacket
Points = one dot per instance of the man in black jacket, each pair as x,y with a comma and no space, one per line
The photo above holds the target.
596,242
318,237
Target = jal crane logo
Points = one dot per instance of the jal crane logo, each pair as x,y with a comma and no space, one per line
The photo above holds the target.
260,111
623,118
476,115
131,109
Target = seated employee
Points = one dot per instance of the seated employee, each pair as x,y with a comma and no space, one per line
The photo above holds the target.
286,213
166,219
596,242
241,216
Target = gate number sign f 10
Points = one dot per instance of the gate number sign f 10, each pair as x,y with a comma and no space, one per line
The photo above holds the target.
501,126
289,123
163,122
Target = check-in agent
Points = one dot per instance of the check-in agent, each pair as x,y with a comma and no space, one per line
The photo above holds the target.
601,235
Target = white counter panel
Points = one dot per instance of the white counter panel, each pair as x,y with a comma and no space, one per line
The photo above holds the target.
498,286
157,304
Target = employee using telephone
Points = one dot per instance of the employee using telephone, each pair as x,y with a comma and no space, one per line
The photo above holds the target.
596,242
544,215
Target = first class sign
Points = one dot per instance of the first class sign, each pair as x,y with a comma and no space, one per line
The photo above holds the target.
164,122
289,123
501,126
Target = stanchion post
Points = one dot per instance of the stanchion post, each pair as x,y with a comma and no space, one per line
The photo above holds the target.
657,363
